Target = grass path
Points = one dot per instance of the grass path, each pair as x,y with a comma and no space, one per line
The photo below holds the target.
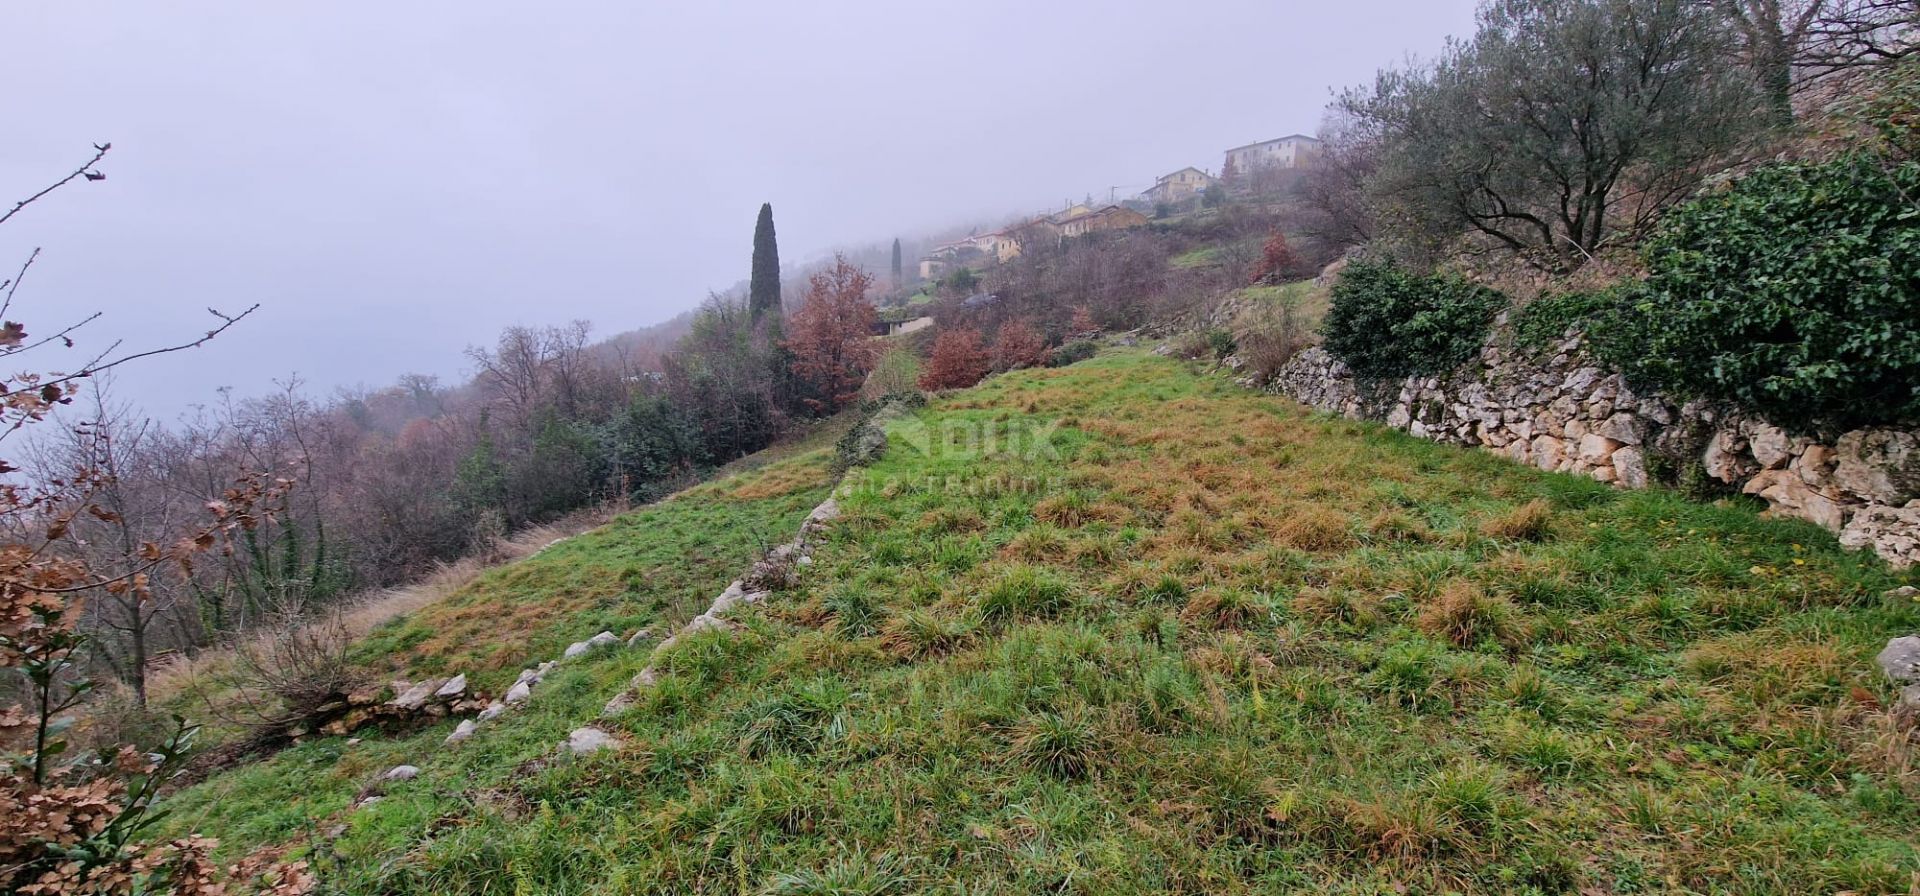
1121,628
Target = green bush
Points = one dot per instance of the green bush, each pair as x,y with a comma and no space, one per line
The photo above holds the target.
1073,352
1543,322
1794,294
1388,322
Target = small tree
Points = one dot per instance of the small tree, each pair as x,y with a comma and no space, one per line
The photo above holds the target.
763,286
1082,322
896,372
959,360
899,271
831,337
1278,264
1561,129
1017,344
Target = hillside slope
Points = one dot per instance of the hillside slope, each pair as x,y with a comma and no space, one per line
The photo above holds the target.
1121,628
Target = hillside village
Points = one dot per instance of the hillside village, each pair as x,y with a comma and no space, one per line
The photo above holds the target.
1506,490
1251,170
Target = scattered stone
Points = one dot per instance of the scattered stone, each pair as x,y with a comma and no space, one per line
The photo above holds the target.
519,693
353,741
492,711
369,802
454,688
604,639
401,773
1904,592
586,741
640,637
462,731
575,649
418,695
1900,660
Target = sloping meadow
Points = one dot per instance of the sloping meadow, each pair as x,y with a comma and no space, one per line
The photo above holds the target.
1123,628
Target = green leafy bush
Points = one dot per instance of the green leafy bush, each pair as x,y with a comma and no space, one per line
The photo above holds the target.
1388,322
1073,352
1546,320
1794,294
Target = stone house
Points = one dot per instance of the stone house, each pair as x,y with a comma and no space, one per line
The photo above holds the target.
1113,217
1179,186
1290,152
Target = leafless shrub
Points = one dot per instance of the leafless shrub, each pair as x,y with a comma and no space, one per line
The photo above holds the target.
283,674
1266,336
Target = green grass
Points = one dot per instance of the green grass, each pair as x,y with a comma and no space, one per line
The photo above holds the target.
1203,642
1203,257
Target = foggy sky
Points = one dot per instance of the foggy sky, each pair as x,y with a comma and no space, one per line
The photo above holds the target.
394,181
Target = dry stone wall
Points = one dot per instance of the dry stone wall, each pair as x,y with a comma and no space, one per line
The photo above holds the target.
1559,409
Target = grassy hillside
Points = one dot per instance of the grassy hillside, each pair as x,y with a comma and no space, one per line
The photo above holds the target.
1119,628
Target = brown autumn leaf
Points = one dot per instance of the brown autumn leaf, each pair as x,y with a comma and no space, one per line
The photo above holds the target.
12,334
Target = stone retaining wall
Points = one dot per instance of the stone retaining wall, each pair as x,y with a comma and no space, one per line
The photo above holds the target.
1558,409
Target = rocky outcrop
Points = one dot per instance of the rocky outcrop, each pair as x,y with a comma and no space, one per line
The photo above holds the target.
1561,410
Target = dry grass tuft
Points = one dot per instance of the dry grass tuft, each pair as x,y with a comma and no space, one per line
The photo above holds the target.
1314,528
1464,615
1532,521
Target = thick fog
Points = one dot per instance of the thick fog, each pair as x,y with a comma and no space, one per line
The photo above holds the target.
395,181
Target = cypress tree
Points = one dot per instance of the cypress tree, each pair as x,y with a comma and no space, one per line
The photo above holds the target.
763,289
897,278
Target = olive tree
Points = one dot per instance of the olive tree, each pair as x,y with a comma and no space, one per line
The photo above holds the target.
1559,129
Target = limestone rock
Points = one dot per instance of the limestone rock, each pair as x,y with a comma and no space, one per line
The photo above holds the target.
1891,532
453,689
604,639
1595,448
575,649
1725,458
1630,467
418,695
1548,452
1904,592
519,693
1770,444
586,741
492,711
401,773
640,637
1900,660
1879,464
1623,428
462,731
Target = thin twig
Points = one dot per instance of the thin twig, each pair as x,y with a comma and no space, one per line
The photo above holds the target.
100,151
14,284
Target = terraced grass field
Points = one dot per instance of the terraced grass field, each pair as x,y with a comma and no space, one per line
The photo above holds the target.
1122,628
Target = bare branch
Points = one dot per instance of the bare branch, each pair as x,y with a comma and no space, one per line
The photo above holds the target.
86,170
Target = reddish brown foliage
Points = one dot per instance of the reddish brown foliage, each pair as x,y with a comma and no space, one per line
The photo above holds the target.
1017,345
1082,322
959,360
831,336
1278,264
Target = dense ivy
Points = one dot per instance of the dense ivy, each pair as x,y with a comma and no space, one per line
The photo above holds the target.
1795,294
1545,321
1386,321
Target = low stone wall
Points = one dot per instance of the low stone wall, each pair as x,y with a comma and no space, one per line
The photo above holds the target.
1560,410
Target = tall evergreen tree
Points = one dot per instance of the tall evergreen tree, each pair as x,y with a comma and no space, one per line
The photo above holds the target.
897,278
763,290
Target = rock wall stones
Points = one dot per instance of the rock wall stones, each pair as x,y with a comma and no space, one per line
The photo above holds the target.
1561,410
